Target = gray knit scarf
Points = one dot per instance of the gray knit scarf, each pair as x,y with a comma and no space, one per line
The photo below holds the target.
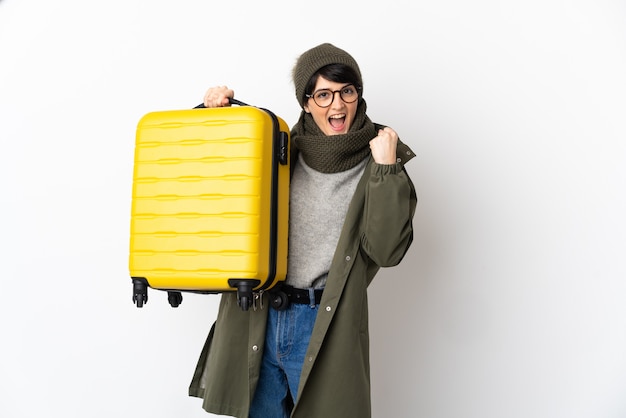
333,153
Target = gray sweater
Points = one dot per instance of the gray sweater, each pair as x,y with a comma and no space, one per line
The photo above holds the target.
317,208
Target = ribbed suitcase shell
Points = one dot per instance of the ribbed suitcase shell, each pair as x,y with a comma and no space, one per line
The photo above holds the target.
204,187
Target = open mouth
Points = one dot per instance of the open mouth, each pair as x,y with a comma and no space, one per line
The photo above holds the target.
337,122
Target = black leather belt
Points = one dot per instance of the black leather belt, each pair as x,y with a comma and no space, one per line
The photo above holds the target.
282,296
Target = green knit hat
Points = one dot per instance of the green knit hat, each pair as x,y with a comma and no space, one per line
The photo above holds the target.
315,58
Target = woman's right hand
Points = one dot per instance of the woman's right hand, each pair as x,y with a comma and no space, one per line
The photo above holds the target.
218,96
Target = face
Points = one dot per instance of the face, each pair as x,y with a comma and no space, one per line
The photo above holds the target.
338,117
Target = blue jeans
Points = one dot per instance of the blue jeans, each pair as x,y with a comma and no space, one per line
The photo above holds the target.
286,342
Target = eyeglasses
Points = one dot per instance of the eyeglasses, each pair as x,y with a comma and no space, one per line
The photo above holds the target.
325,97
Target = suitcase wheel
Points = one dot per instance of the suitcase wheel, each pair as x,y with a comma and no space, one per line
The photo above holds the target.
174,298
244,291
140,291
245,302
279,300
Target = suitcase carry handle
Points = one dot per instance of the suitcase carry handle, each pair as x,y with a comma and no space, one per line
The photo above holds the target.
230,100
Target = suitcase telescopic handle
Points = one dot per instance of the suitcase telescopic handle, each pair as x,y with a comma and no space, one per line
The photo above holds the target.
230,100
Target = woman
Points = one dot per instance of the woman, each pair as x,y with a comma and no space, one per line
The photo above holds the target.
351,209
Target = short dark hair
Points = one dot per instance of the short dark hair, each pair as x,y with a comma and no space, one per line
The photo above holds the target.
339,73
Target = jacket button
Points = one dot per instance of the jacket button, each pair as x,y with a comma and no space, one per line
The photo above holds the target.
328,309
347,258
255,348
398,160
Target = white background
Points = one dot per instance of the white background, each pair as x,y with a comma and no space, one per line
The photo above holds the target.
511,303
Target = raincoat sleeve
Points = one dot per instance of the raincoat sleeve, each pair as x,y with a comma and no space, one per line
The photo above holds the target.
390,202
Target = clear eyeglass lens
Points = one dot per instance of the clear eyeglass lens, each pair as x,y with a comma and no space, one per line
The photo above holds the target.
349,94
323,97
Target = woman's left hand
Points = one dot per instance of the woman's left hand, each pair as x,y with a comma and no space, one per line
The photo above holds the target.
384,146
